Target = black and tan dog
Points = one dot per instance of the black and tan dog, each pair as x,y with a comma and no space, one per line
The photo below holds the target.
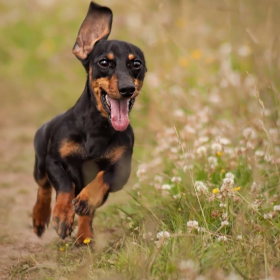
85,153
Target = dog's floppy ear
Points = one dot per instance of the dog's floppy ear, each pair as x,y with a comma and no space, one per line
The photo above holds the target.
96,26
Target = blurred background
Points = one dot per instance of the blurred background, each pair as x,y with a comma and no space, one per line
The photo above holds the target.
199,53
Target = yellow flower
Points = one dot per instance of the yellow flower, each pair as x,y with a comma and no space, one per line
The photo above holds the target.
236,188
223,171
215,191
61,249
87,241
183,61
219,154
196,54
180,22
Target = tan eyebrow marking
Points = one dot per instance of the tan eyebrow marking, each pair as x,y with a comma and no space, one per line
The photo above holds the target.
110,56
131,56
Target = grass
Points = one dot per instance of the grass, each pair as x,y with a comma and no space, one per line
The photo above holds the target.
203,199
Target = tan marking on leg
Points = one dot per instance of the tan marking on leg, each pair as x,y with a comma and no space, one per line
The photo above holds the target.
63,213
68,148
91,197
84,228
42,208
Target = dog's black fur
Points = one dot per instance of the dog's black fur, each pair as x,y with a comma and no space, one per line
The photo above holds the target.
85,153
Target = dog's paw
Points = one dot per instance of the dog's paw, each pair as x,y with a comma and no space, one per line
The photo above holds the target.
82,205
41,218
63,219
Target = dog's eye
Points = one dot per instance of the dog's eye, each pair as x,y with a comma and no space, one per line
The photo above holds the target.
104,63
136,64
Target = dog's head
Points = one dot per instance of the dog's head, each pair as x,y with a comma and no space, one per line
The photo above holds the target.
116,69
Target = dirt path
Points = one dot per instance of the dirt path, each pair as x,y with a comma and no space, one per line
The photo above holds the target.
17,197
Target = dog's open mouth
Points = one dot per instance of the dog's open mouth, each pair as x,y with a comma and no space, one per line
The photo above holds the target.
118,110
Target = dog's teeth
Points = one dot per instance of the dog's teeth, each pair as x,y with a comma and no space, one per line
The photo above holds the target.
107,100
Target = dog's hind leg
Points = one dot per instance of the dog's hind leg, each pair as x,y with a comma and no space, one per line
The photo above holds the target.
42,208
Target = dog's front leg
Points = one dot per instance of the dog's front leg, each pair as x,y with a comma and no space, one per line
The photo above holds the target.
63,212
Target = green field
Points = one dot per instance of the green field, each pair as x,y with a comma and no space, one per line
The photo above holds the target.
203,200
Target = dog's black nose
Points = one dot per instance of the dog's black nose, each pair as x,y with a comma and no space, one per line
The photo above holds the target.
127,91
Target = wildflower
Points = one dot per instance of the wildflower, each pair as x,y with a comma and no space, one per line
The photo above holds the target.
222,205
179,113
86,241
188,265
224,223
225,216
149,235
237,188
192,225
219,154
176,179
229,175
201,151
216,147
268,216
215,191
249,132
196,54
163,234
183,61
165,187
187,167
239,237
259,153
213,162
61,249
224,141
201,187
276,208
222,238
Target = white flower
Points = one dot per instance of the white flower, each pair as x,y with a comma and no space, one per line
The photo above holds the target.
176,179
239,237
267,216
249,132
187,167
201,187
229,175
201,151
259,153
224,141
222,238
276,208
179,113
165,187
192,225
187,265
212,161
216,147
223,205
162,234
224,223
228,181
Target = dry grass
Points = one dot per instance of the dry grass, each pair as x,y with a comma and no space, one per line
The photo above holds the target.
209,111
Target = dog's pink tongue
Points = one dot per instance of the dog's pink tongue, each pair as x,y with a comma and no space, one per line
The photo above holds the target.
119,114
